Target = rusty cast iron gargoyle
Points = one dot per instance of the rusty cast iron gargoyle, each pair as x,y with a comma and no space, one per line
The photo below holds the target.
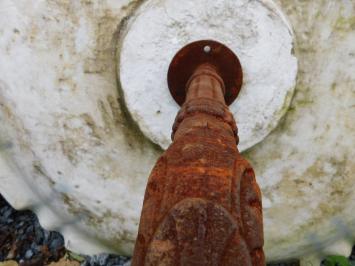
202,204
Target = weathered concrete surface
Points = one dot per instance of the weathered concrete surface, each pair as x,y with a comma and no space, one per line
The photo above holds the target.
64,134
70,150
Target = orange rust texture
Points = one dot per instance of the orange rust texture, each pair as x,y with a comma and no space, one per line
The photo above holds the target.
202,205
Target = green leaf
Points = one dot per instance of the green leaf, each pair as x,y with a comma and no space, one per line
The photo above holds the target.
74,256
336,261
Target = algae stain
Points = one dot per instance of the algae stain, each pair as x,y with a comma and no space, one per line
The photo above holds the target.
93,220
74,207
39,169
69,148
89,121
106,118
19,133
115,110
104,62
337,188
5,145
101,62
345,24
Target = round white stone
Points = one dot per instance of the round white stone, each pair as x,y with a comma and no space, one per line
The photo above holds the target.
255,30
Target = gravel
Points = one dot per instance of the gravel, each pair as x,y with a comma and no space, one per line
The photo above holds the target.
106,259
24,240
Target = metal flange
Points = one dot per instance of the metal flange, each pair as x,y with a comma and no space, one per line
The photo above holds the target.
200,52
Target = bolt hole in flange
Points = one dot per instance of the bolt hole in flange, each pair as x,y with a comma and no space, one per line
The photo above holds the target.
192,55
256,32
207,49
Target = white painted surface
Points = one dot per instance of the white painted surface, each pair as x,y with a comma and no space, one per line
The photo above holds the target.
254,30
69,153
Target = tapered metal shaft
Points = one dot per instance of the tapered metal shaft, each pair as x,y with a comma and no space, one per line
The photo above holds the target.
202,205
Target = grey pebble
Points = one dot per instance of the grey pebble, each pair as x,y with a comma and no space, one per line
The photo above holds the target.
105,260
6,213
28,254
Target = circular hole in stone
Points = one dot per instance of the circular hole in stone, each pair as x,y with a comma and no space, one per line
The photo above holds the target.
207,49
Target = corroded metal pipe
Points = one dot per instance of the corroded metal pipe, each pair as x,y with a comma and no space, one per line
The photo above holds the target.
202,205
